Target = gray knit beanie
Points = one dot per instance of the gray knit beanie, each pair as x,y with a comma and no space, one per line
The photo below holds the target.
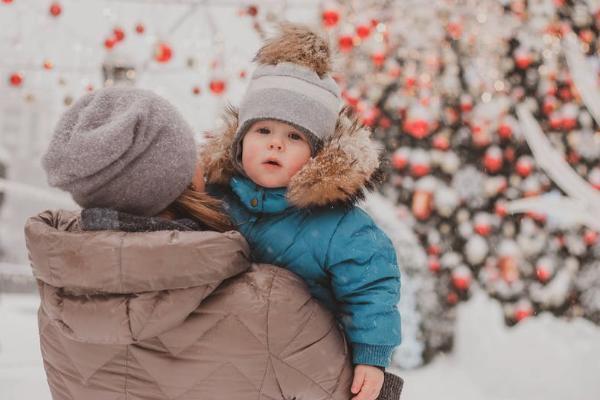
292,84
122,148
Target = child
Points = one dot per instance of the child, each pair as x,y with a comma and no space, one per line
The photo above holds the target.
289,168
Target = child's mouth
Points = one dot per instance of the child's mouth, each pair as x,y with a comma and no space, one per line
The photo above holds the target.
272,162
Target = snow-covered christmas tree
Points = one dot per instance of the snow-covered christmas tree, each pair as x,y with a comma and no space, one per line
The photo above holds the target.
442,83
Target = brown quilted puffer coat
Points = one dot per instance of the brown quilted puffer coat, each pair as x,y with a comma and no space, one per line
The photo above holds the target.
176,315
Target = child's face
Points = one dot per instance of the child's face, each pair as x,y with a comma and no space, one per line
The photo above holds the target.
272,152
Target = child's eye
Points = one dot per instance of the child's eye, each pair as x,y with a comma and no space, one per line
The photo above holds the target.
264,130
296,136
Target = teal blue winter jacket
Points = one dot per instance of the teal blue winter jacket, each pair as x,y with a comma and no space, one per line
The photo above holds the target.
313,228
348,263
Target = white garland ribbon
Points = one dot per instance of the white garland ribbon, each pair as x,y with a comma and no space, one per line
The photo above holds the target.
582,207
583,74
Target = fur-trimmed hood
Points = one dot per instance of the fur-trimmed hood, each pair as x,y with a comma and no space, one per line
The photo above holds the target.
348,165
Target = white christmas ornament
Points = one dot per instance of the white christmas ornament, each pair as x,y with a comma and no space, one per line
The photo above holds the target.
476,250
446,200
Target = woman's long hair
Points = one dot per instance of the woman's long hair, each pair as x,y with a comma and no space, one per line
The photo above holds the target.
201,207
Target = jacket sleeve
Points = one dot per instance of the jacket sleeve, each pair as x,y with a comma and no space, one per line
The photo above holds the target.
365,279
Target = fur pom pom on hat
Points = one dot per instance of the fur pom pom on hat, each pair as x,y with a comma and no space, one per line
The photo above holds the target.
292,84
296,44
122,148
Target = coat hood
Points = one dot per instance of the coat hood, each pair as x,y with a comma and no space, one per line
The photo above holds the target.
348,165
133,285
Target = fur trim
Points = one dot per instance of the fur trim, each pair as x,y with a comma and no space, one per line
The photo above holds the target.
347,166
215,153
296,44
342,171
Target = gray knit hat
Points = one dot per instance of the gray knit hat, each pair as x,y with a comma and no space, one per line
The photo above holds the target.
292,84
122,148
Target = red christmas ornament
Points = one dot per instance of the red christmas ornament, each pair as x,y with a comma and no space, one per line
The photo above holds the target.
163,52
523,311
590,237
330,17
587,36
110,42
385,122
483,229
461,279
594,178
252,10
573,157
505,131
509,270
524,166
452,298
509,154
196,90
378,58
346,42
481,137
363,30
565,94
434,250
542,273
217,86
410,82
16,79
7,1
422,204
55,9
568,123
351,97
441,142
48,65
400,159
119,34
550,105
555,120
500,209
242,74
466,103
140,28
493,159
417,128
369,116
523,59
419,169
434,264
454,30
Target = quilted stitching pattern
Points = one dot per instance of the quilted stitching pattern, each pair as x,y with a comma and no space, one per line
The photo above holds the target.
225,350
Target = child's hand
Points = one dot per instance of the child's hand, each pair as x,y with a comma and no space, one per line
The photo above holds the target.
368,381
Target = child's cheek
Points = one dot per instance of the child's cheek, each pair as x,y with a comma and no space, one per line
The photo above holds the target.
297,166
249,153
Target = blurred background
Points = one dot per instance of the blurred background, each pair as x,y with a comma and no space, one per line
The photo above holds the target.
489,113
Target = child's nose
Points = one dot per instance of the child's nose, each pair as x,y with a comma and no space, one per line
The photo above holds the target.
275,144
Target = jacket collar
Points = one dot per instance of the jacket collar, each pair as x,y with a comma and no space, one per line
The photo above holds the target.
347,166
258,199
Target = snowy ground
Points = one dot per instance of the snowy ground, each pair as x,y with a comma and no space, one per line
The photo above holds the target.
542,358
